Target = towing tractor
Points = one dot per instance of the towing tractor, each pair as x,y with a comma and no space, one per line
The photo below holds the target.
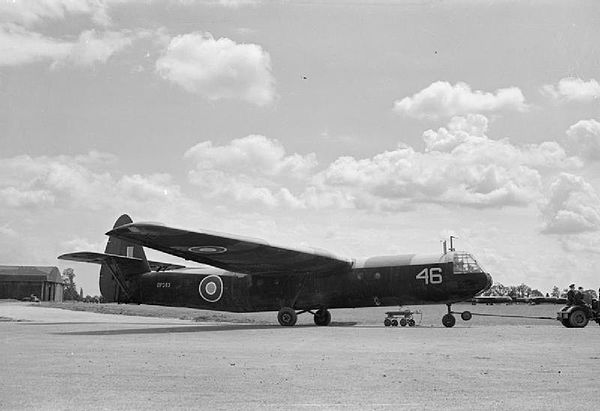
578,316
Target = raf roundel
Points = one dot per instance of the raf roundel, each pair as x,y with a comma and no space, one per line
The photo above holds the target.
211,288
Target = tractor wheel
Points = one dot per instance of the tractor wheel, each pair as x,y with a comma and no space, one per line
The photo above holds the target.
566,323
411,323
387,322
394,323
287,317
578,319
403,322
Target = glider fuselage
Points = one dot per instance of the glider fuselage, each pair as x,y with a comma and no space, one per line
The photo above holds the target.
363,286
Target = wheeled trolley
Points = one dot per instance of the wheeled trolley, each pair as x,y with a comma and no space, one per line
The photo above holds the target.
402,318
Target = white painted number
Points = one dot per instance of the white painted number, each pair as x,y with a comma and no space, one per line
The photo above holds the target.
430,275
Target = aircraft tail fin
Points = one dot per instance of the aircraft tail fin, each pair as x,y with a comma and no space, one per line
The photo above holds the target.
121,264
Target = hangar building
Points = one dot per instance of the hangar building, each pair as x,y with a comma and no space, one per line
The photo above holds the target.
21,281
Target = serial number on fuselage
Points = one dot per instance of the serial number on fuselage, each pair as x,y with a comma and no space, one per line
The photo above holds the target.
163,285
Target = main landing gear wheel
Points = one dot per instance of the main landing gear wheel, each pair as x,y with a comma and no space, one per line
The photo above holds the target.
448,320
287,317
466,315
578,319
322,317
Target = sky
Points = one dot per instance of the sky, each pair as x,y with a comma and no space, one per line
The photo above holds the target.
360,127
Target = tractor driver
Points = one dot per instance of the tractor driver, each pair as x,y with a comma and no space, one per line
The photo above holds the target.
571,295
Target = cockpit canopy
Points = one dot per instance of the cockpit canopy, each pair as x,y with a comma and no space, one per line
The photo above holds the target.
465,263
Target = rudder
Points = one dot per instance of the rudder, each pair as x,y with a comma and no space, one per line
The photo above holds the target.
109,287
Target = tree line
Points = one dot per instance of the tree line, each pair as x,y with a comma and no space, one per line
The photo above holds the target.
525,291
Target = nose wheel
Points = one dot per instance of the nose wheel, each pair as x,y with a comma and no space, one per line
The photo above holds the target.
449,320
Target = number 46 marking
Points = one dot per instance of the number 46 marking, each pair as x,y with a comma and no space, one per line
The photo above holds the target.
430,275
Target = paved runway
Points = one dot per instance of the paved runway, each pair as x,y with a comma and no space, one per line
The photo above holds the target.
60,359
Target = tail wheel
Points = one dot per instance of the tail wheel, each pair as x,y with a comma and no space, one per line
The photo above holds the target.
578,318
322,317
448,320
466,315
287,317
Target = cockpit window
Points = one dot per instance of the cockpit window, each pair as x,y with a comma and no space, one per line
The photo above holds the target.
465,263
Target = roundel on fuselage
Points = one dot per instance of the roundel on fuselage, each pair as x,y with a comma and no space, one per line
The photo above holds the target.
211,288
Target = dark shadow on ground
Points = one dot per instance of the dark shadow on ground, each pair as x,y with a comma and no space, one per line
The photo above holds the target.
197,328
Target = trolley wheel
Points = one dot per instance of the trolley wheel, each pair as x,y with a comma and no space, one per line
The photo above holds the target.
394,323
411,323
403,322
466,315
387,322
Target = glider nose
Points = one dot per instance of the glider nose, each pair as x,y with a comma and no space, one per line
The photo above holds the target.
490,281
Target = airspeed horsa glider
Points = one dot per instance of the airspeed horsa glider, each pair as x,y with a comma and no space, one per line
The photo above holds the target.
249,275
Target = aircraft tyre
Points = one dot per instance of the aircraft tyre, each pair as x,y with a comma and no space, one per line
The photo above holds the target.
466,315
322,317
448,320
411,323
287,317
578,318
403,322
387,322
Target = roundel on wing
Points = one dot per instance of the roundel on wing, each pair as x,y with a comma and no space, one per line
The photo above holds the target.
211,288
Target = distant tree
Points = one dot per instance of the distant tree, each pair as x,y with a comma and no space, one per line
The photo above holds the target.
536,293
555,292
70,291
592,293
497,289
523,290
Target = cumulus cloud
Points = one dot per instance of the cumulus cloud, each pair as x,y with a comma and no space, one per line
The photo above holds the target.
252,168
218,69
20,46
442,100
31,12
573,89
92,47
81,182
583,138
254,154
459,165
573,206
